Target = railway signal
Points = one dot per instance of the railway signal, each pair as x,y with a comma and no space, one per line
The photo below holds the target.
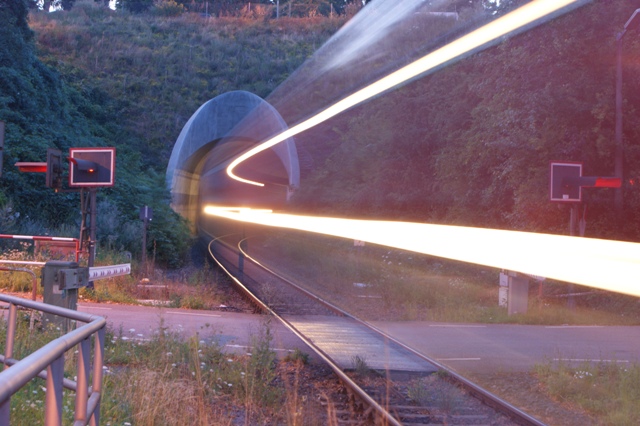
566,182
91,167
54,169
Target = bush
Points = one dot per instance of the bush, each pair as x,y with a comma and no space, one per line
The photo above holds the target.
168,8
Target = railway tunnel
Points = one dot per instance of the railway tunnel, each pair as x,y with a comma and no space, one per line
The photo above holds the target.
221,129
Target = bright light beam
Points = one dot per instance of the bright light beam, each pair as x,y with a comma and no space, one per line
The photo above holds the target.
486,34
603,264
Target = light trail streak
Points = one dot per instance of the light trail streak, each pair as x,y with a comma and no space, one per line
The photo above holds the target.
507,24
603,264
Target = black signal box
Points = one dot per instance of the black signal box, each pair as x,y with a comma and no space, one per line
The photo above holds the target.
565,182
92,167
54,169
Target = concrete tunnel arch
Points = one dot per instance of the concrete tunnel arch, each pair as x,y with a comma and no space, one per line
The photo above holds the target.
237,114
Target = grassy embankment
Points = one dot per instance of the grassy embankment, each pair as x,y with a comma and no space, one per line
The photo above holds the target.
166,379
190,288
398,285
160,70
608,391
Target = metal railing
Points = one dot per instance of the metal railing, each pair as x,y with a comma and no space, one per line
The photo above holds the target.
48,363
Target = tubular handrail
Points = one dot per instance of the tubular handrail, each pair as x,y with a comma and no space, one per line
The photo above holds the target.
48,363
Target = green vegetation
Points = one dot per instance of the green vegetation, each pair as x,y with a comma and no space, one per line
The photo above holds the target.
167,379
90,76
298,357
360,366
436,392
470,144
610,392
189,287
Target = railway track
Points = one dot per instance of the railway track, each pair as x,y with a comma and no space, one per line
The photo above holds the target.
372,395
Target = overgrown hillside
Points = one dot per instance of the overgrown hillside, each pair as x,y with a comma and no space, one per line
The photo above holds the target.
160,70
95,77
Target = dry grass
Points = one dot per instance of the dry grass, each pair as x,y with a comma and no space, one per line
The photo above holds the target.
378,283
609,392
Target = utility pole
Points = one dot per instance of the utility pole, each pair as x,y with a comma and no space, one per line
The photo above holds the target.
146,215
619,149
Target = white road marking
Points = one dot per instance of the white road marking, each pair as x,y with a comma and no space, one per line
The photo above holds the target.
574,326
458,325
458,359
250,347
591,360
196,315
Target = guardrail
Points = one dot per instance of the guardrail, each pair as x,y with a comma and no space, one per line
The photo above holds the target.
48,363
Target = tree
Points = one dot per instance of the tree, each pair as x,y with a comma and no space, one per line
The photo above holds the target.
134,6
15,33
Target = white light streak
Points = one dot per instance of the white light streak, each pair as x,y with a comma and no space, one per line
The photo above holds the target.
513,21
604,264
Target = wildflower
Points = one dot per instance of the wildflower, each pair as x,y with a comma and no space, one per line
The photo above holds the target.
140,335
229,360
125,338
132,330
169,353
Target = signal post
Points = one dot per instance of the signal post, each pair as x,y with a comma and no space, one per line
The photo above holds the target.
566,183
89,169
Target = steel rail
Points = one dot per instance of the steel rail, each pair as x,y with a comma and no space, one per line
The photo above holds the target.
336,369
306,292
482,394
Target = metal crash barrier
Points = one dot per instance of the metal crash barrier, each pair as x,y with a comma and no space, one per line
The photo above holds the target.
48,363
